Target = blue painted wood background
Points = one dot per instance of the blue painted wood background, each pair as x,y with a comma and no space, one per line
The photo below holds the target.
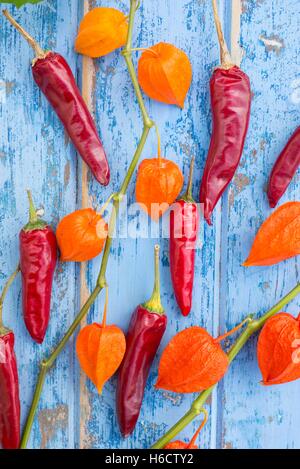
35,153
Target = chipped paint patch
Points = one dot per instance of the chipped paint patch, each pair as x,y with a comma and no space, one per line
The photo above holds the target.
228,445
67,174
241,181
176,400
247,4
52,420
272,43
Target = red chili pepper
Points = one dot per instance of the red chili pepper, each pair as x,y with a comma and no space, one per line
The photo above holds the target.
9,383
38,257
56,80
184,224
231,101
284,169
146,329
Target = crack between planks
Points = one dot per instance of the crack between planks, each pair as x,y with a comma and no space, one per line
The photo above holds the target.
231,19
88,86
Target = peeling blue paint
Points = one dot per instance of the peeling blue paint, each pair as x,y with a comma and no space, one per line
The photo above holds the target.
33,153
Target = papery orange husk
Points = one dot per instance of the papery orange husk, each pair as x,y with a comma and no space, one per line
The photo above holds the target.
159,182
278,350
178,444
101,31
81,235
278,238
100,351
192,362
165,73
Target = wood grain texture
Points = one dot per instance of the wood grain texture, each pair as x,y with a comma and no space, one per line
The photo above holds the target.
34,153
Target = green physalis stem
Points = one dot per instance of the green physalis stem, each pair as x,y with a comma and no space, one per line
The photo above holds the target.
20,3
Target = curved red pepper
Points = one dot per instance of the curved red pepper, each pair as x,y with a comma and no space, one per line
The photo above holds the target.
55,79
38,257
284,169
231,101
9,393
184,224
146,329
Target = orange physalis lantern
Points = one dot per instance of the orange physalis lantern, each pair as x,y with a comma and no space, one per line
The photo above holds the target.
81,235
277,239
193,361
278,350
165,73
159,182
100,350
101,31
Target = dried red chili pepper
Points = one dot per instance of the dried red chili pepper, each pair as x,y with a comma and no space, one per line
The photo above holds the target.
231,100
9,383
184,223
55,79
147,326
38,257
284,169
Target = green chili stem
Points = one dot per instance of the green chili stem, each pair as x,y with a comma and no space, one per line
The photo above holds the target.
33,218
101,281
188,196
154,304
5,291
253,326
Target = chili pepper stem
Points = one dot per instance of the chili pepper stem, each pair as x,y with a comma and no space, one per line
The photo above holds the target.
34,223
4,293
188,196
154,304
253,326
32,210
39,52
226,60
101,281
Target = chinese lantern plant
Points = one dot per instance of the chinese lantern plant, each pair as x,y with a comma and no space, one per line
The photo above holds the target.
159,181
278,350
81,235
100,350
193,361
165,73
277,238
101,31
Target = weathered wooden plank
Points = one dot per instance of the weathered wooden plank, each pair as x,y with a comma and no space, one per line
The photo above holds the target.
252,416
130,276
35,155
